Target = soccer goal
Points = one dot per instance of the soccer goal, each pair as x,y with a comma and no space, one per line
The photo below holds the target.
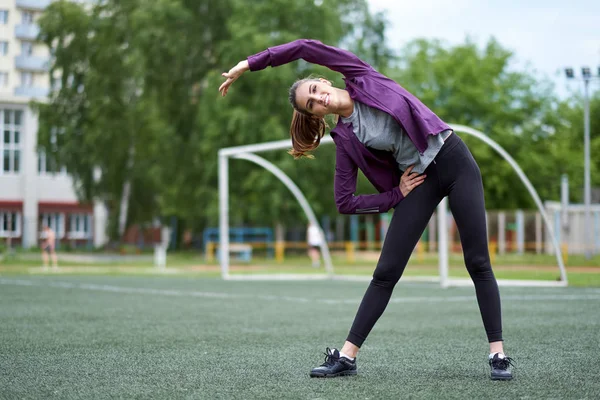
249,154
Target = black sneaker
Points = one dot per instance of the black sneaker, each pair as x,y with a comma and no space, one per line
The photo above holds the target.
499,366
334,365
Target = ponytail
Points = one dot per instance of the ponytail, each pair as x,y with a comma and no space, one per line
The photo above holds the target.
306,132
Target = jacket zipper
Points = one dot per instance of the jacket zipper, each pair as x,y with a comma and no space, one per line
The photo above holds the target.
367,210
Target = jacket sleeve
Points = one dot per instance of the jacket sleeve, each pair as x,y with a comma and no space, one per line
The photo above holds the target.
312,51
345,185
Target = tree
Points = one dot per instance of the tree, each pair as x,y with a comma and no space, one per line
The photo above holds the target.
257,110
476,87
100,115
138,101
572,139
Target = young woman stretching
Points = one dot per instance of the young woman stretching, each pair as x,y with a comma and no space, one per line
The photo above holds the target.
383,130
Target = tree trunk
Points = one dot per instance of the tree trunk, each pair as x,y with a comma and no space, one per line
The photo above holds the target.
126,194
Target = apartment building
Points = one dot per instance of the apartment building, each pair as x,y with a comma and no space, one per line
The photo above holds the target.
33,192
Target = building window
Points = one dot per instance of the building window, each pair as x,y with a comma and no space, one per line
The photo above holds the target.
80,226
10,145
46,166
3,48
10,224
26,17
26,79
56,222
3,79
3,17
26,48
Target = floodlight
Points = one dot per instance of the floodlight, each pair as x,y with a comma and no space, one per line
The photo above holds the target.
569,72
586,72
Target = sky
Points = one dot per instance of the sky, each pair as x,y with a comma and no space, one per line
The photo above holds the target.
545,35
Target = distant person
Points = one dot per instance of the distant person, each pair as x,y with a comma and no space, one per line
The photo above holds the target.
49,247
414,160
314,240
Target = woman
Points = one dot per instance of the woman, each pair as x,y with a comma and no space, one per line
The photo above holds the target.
383,129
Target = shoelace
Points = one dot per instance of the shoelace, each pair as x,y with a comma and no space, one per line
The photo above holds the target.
504,363
330,358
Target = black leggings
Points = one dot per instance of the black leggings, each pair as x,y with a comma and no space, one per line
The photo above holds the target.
454,173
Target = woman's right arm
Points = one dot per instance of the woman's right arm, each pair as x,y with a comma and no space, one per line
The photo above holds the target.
345,179
312,51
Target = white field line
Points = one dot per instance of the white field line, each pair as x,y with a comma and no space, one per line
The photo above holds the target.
592,294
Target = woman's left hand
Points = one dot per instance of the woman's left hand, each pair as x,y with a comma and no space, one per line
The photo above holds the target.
409,181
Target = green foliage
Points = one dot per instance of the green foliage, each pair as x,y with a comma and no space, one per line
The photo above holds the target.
138,103
477,87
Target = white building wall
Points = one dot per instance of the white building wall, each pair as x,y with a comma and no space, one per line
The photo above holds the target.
56,188
28,179
10,187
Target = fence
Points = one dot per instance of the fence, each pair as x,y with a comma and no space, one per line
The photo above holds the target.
509,232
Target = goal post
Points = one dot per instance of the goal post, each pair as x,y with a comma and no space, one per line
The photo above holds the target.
515,166
248,153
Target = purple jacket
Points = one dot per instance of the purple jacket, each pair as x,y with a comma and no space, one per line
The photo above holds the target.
369,87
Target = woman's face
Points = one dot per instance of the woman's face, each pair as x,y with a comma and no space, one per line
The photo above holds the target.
317,97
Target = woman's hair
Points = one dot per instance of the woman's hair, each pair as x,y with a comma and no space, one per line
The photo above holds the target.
306,129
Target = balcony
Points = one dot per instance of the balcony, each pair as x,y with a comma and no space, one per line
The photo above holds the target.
38,5
27,31
31,91
32,63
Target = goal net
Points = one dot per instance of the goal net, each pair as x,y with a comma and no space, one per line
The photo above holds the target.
341,263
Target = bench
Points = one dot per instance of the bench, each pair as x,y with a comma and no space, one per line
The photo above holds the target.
242,251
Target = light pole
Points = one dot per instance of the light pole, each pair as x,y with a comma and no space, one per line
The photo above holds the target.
587,76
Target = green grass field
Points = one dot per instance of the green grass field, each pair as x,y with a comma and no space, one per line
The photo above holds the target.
168,337
581,272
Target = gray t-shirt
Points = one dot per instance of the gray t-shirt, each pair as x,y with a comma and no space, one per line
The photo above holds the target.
379,130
